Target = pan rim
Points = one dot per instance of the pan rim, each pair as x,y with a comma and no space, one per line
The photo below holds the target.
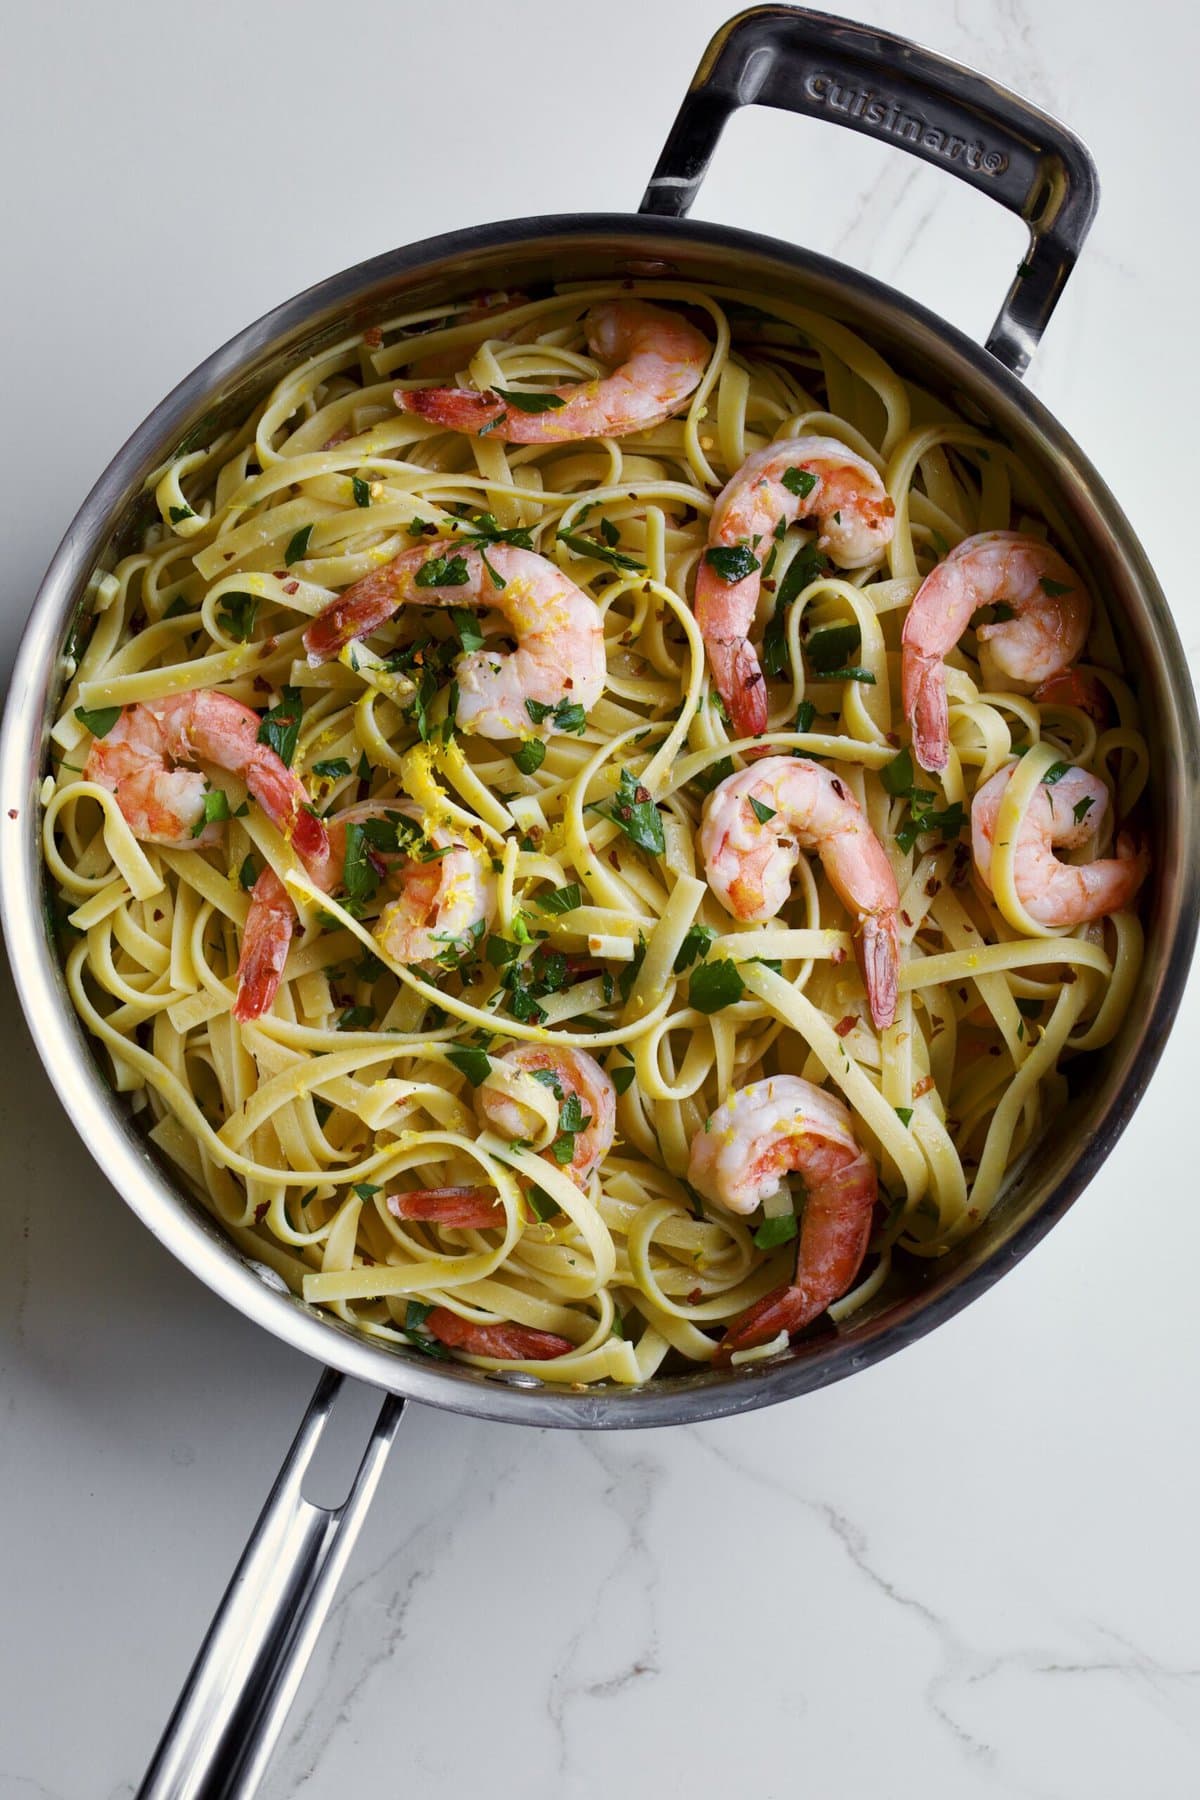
112,1137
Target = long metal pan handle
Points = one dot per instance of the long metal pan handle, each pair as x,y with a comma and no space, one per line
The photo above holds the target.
242,1683
870,81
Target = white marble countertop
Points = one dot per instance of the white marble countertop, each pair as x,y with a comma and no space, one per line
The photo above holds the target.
968,1571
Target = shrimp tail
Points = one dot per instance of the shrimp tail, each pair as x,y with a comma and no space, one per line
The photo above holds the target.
464,1208
265,940
879,960
454,408
356,613
740,684
785,1308
924,692
504,1342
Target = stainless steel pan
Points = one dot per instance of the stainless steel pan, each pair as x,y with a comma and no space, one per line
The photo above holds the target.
235,1700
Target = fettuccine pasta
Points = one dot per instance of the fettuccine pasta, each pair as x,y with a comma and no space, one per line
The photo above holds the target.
588,919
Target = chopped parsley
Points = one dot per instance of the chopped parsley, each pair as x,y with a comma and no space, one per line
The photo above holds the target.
1082,808
178,513
566,715
586,546
101,721
1055,773
475,1064
356,1018
714,985
1054,589
361,490
697,942
899,775
802,571
636,814
331,770
732,562
773,1232
800,482
237,614
248,874
530,757
280,728
297,545
442,571
563,900
716,773
530,403
904,1114
761,810
216,809
467,626
830,648
622,1078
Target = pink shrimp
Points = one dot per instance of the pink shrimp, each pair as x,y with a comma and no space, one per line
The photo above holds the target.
148,760
660,359
464,1208
1049,615
741,1156
796,478
583,1090
1064,816
560,635
755,824
1076,687
503,1341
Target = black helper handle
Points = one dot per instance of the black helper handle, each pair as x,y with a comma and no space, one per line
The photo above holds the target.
830,68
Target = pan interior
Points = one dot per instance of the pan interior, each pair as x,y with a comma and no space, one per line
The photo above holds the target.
1105,1087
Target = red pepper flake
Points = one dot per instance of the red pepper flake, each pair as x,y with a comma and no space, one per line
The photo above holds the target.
904,919
922,1087
13,813
614,859
769,584
933,887
1068,977
367,1260
695,1297
291,587
261,684
157,915
893,739
845,1026
993,1049
280,574
260,1212
839,956
372,337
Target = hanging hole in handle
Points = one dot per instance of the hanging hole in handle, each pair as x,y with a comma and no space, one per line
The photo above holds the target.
1041,201
340,1447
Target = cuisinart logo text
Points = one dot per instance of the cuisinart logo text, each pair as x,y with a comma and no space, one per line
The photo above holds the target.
888,115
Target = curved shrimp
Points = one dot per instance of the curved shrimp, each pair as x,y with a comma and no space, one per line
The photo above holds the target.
796,478
148,761
503,1341
755,824
584,1092
1076,687
440,903
660,359
1049,615
559,631
1063,816
740,1157
464,1208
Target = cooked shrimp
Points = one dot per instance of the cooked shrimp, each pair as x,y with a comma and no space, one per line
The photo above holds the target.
503,1341
1076,687
1049,614
660,360
584,1092
797,478
741,1156
755,824
558,628
1057,894
266,936
464,1208
163,802
440,904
